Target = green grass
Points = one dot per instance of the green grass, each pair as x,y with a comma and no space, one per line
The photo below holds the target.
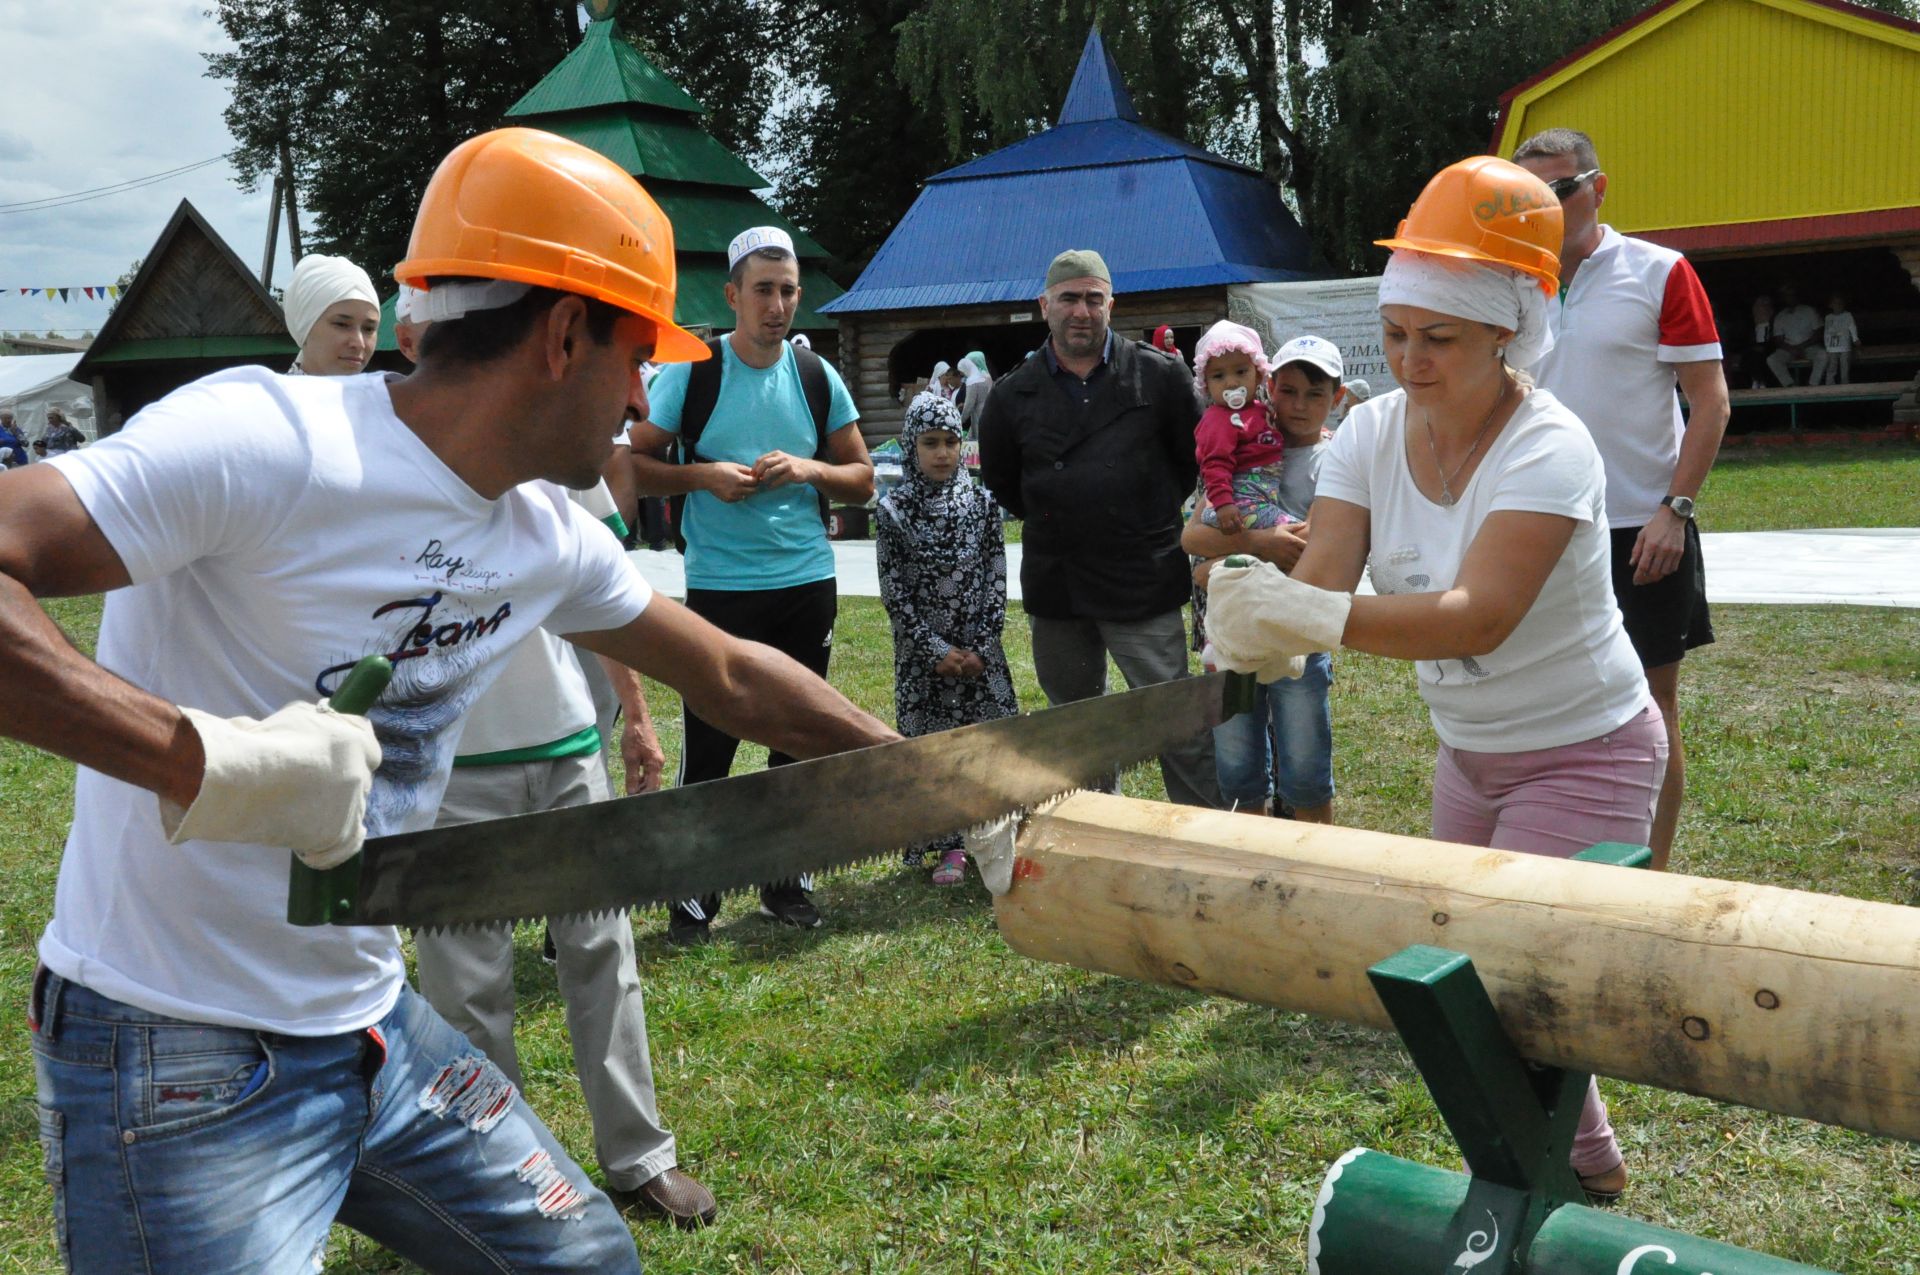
1777,488
900,1092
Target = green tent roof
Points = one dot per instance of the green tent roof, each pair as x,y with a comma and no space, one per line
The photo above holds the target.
665,147
706,219
603,71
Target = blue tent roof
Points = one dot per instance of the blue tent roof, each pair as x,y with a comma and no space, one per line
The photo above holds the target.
1164,214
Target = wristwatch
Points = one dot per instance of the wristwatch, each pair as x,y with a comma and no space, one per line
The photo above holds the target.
1682,506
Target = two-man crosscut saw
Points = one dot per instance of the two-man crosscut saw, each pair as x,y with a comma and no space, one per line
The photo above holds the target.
774,825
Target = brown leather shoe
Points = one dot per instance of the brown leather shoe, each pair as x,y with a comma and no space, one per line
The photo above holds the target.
675,1195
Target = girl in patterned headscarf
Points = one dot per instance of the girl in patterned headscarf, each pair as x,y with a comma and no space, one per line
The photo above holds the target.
943,579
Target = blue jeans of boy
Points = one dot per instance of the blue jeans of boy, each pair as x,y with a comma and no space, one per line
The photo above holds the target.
177,1146
1292,712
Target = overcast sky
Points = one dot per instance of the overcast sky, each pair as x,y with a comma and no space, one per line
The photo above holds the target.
91,95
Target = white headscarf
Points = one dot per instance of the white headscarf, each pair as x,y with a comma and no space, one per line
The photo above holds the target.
1474,290
319,282
934,384
974,373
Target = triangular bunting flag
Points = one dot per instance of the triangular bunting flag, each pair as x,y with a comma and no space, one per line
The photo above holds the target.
113,290
50,292
63,294
88,289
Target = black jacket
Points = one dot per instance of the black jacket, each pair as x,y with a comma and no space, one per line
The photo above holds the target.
1099,487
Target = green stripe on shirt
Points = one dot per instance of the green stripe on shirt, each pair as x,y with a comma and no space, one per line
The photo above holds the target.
579,744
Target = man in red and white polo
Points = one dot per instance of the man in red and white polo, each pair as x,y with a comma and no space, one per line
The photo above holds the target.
1632,323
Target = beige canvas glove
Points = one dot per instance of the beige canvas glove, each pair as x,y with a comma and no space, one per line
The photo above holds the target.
1261,621
299,779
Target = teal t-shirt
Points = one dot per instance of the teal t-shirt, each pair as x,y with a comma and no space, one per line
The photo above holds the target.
772,539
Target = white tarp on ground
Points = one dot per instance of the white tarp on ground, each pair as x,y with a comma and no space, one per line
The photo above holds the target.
1853,568
1344,311
31,383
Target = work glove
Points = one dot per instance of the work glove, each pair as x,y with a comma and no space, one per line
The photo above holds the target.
1261,621
299,779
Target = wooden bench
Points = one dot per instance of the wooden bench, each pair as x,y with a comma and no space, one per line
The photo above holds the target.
1794,396
1908,353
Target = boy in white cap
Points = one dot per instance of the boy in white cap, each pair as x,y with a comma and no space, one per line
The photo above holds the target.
1303,390
764,434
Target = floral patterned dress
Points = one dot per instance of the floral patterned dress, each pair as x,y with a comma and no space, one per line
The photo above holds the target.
942,562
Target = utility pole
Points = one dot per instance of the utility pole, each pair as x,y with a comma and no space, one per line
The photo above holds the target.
273,236
293,206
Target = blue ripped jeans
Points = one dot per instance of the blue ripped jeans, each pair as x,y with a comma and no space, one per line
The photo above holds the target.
177,1146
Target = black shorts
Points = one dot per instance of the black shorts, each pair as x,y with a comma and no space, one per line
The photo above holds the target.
1667,618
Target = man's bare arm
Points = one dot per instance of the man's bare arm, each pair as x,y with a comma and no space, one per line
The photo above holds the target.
640,748
53,697
748,690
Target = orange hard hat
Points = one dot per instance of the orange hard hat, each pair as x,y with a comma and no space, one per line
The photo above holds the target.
533,207
1486,209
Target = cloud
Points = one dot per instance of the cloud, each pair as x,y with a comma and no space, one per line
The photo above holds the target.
92,104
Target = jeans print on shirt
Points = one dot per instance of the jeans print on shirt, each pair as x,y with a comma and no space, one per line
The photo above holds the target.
437,643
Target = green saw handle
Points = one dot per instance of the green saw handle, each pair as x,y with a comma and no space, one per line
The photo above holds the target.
1243,692
315,897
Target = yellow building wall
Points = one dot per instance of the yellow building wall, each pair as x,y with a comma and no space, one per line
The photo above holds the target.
1723,111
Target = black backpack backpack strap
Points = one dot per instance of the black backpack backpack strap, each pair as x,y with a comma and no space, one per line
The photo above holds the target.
819,392
703,391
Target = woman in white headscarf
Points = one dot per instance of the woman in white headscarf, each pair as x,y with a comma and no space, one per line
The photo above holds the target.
973,391
1476,503
938,382
333,314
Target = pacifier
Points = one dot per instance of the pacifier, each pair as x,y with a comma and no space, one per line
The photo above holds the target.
1236,398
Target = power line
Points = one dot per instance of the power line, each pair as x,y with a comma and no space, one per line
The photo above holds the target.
102,192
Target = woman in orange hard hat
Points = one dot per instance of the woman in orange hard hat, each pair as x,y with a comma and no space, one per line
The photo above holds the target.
1475,502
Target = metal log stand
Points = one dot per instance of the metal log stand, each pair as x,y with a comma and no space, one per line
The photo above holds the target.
1520,1213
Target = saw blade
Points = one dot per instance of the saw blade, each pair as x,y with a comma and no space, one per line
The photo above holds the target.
772,825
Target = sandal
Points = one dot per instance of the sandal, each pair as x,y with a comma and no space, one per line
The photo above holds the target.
952,869
1605,1187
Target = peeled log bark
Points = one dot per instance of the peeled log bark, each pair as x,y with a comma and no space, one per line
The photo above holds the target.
1804,1004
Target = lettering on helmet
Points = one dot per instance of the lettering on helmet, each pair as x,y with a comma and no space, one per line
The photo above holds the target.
634,241
1508,203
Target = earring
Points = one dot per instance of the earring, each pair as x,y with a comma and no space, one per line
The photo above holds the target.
1499,351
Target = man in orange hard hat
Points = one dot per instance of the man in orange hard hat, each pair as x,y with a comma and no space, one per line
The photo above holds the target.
218,1086
1633,323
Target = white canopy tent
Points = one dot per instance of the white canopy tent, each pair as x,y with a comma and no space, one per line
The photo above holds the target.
32,383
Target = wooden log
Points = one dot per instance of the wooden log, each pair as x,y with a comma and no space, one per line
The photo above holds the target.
1804,1004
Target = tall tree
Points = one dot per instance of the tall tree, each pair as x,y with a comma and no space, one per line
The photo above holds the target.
727,54
1347,105
1408,87
851,143
367,98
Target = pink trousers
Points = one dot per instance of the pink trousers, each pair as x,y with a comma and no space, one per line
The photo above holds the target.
1558,801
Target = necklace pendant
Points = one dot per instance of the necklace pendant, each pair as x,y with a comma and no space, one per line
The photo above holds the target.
1446,499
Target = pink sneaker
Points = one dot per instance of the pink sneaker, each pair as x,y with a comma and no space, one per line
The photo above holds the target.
952,869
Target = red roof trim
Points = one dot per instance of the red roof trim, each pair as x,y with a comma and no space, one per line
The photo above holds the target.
1788,231
1646,14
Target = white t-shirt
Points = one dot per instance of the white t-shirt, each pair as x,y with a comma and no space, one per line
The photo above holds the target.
277,529
1634,311
1797,324
542,696
1841,334
1568,672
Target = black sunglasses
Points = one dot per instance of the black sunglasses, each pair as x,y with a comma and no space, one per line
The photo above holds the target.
1563,187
